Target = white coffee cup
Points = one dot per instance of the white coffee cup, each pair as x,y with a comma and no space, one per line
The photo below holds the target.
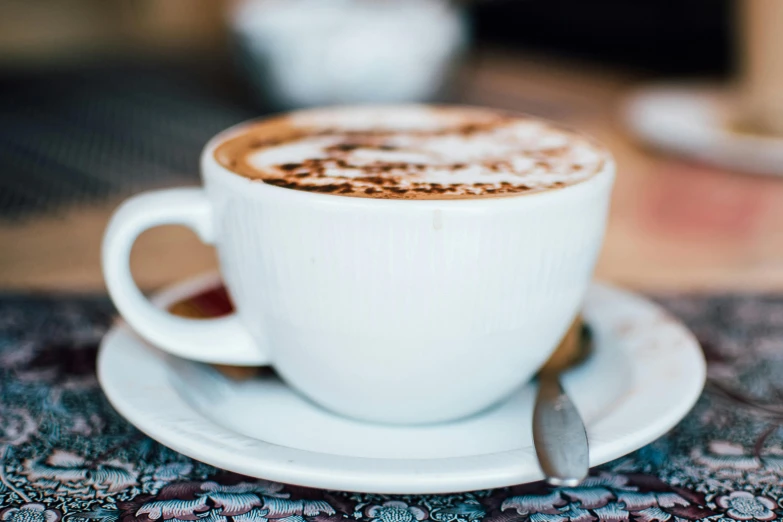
398,311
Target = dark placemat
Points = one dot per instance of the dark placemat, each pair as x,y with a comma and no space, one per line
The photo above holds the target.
65,453
80,136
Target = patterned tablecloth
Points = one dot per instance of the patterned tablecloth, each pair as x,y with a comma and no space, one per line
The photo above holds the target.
65,454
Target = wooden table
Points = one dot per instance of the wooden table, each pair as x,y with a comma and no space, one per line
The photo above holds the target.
674,226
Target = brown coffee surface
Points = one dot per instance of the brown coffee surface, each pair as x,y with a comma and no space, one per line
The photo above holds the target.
411,152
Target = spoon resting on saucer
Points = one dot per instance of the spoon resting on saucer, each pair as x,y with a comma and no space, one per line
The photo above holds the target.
559,434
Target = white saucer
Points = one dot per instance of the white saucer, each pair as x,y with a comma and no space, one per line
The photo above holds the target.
645,374
696,121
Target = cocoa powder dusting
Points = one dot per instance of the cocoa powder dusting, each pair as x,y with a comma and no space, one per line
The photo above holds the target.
494,154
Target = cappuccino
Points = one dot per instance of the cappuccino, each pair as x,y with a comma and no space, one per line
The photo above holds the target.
416,272
411,152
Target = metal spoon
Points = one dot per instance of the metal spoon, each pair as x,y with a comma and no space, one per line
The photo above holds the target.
559,434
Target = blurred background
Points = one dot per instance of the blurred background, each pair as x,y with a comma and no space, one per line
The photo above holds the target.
100,100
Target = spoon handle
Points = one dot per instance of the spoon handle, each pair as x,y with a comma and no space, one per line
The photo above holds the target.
559,434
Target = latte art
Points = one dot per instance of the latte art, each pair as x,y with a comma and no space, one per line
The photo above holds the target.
411,152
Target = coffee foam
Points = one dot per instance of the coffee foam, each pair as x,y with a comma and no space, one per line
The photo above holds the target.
411,152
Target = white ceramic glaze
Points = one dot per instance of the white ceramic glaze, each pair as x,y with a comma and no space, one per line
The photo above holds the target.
644,376
420,311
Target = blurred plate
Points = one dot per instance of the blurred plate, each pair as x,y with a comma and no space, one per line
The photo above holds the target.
699,122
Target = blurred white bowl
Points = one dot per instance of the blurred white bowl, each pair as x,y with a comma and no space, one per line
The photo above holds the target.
300,53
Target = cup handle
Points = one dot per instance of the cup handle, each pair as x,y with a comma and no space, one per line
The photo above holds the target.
222,340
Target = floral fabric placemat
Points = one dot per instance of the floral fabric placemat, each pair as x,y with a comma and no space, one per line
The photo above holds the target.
65,454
